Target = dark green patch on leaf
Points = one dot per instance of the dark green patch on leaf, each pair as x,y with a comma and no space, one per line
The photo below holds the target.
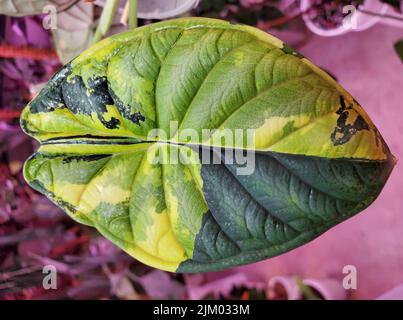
95,98
399,49
287,49
135,117
287,198
344,131
50,98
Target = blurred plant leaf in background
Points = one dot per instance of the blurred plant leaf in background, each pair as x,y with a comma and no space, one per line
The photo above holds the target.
394,3
160,285
164,9
73,24
74,30
20,8
160,9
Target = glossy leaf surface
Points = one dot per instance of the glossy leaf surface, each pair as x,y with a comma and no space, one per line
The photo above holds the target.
318,158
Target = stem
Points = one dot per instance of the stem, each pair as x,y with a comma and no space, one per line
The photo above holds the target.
306,291
125,14
10,51
133,7
282,20
68,246
6,115
279,22
376,14
106,19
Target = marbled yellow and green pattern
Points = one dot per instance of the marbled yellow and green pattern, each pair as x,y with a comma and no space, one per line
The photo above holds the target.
319,158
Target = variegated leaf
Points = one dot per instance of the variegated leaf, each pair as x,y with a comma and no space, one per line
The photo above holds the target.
318,158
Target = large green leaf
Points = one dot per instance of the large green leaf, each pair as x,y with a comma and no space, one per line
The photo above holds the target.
318,159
